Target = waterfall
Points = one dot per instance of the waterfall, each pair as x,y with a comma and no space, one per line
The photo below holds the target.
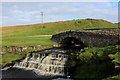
45,62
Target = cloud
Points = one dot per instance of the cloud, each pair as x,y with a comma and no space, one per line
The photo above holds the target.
29,13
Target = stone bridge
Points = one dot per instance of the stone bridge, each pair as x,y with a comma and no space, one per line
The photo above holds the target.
87,38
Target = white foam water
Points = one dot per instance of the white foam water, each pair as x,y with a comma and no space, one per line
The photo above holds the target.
45,64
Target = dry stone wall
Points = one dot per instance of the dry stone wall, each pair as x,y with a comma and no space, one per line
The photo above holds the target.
17,49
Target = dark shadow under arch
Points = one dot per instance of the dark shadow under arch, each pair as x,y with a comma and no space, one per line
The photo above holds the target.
72,42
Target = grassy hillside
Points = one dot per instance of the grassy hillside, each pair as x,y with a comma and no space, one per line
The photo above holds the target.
20,35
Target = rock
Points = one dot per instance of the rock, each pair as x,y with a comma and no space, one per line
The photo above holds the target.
17,49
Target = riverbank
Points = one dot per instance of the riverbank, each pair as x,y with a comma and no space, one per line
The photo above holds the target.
93,63
98,59
10,54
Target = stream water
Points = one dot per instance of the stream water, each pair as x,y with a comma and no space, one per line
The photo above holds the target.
42,65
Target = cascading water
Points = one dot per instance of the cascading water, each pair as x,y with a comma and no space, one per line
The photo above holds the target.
46,62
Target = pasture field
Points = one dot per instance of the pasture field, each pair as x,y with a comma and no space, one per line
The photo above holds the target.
19,35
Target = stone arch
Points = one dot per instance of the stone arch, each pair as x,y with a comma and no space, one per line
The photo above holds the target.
71,41
89,38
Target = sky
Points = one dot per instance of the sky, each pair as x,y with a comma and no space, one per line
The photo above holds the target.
25,13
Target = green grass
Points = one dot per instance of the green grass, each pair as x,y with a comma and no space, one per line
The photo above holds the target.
116,57
110,51
18,35
117,77
9,57
26,41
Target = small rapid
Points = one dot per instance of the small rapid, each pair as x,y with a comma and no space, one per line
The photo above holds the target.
47,62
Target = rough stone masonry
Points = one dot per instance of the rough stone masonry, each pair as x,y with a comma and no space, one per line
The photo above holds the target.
89,37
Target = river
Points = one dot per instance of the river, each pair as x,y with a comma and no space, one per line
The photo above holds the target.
43,65
17,73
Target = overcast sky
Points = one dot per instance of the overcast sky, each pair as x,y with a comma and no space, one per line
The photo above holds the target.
24,13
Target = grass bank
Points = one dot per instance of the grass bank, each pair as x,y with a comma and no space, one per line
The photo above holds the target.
9,57
95,63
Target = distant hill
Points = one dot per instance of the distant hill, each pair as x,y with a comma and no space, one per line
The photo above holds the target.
56,27
117,23
19,35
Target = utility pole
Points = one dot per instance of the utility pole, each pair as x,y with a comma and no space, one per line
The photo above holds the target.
42,17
